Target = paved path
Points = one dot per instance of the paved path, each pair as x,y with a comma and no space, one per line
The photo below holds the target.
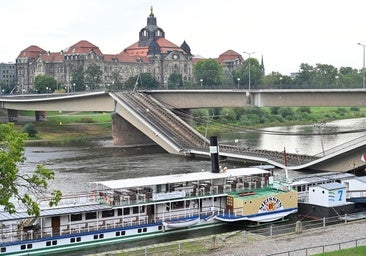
254,245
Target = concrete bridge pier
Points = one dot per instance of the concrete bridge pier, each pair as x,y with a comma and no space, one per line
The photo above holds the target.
40,115
125,134
13,115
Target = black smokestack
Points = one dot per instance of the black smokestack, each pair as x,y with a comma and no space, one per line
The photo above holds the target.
214,150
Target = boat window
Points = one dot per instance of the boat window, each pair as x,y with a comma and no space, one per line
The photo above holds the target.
76,217
177,205
126,211
3,249
135,210
108,213
120,233
90,215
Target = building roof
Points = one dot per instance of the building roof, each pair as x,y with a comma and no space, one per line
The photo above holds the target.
32,51
229,55
141,51
52,57
83,47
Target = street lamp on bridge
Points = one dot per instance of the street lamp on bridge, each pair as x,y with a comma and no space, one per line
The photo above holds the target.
249,53
363,66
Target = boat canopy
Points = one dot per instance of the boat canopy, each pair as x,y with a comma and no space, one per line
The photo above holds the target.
177,178
55,211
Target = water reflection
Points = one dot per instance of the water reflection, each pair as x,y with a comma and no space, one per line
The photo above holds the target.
296,141
76,166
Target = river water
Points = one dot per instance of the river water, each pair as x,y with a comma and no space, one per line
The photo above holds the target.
100,160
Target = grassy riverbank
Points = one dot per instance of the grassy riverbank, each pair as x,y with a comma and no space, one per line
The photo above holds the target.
67,128
236,119
74,127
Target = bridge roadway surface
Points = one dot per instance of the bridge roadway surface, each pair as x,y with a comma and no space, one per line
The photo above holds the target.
157,120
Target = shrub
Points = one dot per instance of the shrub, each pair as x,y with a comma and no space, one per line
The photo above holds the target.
30,129
304,110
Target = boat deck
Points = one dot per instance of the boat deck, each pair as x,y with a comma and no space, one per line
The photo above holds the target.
256,193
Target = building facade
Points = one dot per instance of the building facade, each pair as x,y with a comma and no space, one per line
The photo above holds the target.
152,53
7,77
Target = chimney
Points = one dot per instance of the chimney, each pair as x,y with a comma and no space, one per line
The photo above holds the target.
214,151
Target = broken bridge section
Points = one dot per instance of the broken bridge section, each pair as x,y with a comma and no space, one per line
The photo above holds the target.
155,122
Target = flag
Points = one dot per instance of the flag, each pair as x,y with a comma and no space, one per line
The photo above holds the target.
363,158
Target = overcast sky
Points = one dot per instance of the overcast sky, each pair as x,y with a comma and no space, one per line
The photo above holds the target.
286,32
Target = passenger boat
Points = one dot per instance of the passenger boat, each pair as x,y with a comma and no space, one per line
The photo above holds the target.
121,210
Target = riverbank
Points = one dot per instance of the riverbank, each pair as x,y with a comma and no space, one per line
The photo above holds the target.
78,127
309,242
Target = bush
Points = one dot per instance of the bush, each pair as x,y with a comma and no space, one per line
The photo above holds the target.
286,112
304,110
30,129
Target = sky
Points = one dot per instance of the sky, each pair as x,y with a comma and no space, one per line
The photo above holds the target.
285,32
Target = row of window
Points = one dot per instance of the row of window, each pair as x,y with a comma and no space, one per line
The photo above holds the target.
76,239
108,213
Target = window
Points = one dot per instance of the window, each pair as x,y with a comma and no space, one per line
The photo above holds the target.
76,217
90,215
135,210
109,213
120,233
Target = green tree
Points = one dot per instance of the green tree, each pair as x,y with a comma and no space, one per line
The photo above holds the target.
140,82
30,129
349,78
175,81
116,79
256,73
208,73
304,79
15,186
45,84
93,76
78,79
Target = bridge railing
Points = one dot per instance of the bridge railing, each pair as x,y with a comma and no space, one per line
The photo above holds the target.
344,146
292,159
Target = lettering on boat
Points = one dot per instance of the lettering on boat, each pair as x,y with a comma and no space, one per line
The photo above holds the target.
170,195
270,204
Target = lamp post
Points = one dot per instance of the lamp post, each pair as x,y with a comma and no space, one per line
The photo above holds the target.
363,66
201,80
249,53
238,81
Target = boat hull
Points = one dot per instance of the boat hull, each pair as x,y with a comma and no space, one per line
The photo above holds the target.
262,217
